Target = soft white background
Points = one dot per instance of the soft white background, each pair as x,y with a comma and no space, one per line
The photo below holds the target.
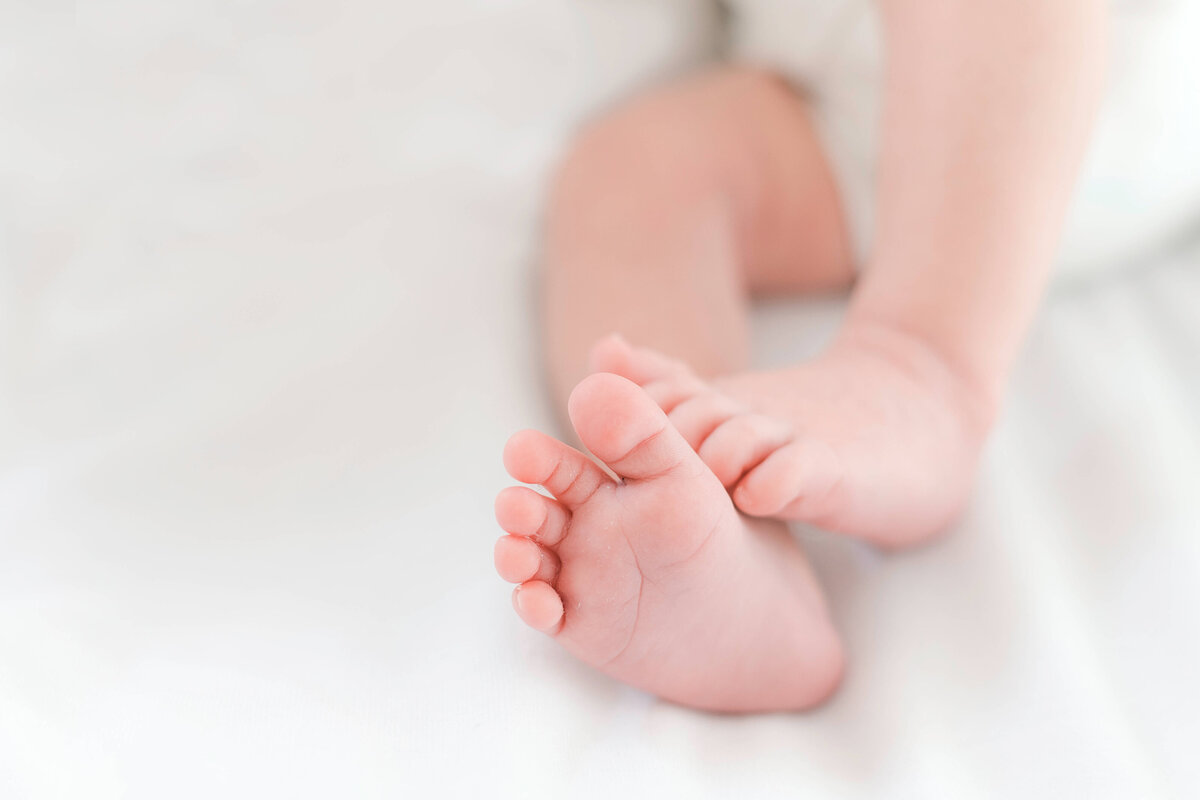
265,323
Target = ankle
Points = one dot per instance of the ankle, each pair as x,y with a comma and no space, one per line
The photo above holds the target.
975,393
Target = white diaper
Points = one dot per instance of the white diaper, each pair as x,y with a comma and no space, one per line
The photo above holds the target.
1140,186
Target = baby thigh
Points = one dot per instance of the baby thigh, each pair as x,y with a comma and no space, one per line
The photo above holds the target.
669,208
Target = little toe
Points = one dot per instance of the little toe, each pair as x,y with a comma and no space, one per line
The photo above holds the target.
698,416
569,475
519,559
795,481
740,444
619,422
523,512
539,606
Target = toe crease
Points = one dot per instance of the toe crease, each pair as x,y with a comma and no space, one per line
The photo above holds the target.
648,441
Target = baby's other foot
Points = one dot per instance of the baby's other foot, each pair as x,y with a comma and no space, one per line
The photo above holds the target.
655,579
873,439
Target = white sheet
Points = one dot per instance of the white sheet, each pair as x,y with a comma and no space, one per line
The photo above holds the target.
265,325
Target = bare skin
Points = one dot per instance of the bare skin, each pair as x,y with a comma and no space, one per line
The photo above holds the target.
656,579
668,215
872,439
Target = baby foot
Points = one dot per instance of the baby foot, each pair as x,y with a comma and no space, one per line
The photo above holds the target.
872,439
654,578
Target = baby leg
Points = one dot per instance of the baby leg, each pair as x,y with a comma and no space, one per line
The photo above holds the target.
670,210
665,215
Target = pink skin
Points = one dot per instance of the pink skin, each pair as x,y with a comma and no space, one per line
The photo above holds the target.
872,439
656,579
667,214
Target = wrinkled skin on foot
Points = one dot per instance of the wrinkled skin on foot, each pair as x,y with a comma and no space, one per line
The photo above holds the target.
656,579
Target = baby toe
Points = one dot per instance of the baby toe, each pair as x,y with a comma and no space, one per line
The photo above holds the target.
539,606
741,443
639,364
669,393
796,481
523,512
519,559
569,475
620,424
698,416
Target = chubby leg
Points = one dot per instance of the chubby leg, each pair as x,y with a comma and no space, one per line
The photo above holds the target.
670,210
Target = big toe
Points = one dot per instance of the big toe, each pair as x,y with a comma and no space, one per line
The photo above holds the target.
623,427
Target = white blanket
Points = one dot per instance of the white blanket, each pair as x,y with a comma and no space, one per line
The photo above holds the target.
265,323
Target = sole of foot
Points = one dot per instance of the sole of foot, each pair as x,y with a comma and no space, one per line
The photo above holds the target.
652,576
